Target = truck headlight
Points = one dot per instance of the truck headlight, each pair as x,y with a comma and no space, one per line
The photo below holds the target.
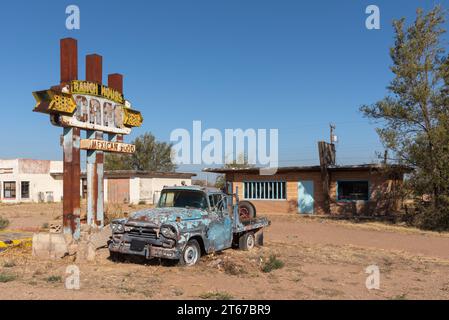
117,228
168,232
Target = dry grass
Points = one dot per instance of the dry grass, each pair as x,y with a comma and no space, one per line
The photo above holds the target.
4,223
218,295
363,225
310,271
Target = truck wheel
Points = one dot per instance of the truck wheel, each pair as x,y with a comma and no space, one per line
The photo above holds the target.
247,241
259,238
191,253
246,210
115,256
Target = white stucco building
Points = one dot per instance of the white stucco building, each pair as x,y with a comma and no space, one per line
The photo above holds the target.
27,180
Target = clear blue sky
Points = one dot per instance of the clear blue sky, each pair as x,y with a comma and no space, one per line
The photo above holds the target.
291,65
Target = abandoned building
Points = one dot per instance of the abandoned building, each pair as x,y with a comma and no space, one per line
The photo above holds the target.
352,189
27,180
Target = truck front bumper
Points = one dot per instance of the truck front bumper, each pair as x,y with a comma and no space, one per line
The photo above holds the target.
148,250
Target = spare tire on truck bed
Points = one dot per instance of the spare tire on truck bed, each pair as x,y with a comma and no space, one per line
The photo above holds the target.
247,211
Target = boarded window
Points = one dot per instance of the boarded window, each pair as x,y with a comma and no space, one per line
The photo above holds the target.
118,190
9,189
265,190
353,190
25,189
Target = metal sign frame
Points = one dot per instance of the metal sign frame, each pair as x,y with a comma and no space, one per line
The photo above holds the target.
91,106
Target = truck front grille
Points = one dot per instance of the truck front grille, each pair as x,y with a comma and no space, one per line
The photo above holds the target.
141,232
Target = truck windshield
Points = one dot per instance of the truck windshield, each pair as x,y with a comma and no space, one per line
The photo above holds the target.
183,199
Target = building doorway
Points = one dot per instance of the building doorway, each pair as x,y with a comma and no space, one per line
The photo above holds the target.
305,197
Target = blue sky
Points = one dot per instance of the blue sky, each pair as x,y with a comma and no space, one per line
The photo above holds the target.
290,65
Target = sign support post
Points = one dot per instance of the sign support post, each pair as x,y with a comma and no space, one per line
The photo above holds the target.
71,144
94,171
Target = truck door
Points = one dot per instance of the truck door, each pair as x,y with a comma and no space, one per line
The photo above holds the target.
219,232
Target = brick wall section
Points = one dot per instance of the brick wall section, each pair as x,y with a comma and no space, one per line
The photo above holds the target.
382,194
379,187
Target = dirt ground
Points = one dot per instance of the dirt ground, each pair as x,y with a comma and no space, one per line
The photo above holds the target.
316,259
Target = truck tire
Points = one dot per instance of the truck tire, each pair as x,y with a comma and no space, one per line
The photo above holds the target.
115,256
247,241
259,238
246,210
191,253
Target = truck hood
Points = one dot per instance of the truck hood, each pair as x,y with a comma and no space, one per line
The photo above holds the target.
160,216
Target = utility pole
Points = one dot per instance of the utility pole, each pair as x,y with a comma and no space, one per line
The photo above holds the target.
332,128
326,152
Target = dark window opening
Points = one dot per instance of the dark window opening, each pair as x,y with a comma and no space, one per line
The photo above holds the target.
353,190
25,190
9,189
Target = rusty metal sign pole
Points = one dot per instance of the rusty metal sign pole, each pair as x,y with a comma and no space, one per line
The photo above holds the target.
71,147
94,166
100,185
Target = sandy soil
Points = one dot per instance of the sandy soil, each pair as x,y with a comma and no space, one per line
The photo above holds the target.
322,259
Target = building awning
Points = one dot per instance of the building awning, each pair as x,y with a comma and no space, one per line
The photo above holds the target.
139,174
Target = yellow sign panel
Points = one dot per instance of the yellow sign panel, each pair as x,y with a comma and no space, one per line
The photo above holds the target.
108,146
49,101
132,118
62,104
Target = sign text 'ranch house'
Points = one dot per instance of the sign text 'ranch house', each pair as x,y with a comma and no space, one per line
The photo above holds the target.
95,89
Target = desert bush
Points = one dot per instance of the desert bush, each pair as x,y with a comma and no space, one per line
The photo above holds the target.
430,217
233,269
54,279
4,223
272,263
218,295
9,264
4,277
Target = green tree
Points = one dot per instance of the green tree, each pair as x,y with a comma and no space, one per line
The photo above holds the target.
414,116
150,155
242,163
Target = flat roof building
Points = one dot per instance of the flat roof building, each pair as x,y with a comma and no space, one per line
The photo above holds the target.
368,189
28,180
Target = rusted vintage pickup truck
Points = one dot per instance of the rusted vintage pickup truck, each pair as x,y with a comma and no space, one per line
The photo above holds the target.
188,221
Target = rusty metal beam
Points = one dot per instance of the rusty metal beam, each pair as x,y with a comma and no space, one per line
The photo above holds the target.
94,68
115,81
71,151
69,60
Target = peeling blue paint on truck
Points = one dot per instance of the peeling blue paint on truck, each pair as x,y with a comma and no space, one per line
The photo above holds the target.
187,220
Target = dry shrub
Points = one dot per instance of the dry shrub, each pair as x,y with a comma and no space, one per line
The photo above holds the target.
4,223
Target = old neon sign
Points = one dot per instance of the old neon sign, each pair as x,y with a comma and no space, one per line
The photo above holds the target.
89,106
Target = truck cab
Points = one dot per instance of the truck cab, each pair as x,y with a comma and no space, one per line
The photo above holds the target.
187,222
